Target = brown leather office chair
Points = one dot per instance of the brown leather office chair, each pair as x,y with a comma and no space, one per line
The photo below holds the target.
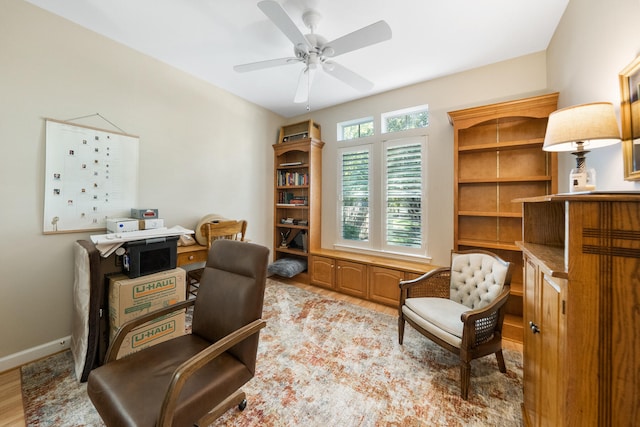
222,229
194,378
460,308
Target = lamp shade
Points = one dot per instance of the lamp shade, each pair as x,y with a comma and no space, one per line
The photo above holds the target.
593,124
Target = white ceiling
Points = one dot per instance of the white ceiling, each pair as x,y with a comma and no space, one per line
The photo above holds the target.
431,38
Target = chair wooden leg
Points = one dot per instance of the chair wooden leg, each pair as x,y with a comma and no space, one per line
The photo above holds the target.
400,329
500,358
465,376
235,399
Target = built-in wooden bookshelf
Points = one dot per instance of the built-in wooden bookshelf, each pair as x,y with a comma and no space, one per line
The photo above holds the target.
297,192
498,157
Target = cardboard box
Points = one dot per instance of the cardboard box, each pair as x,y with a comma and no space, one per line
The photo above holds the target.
152,333
130,298
119,225
144,213
149,224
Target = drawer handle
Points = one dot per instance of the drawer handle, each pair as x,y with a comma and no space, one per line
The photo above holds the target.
534,328
190,257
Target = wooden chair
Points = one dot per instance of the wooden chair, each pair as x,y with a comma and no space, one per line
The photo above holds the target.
231,230
460,308
194,378
228,229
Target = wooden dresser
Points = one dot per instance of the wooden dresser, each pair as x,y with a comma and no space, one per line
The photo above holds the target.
581,309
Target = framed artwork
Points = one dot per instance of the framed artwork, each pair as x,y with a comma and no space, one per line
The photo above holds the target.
630,118
90,174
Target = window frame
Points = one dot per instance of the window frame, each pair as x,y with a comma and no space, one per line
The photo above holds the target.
341,241
385,246
377,199
359,122
409,111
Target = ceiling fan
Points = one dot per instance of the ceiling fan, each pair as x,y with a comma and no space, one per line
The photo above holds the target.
313,50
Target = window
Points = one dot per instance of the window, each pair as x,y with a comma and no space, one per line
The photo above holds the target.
354,129
403,194
354,212
389,174
409,118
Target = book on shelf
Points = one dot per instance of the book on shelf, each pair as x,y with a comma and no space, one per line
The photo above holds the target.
284,197
299,200
290,164
292,178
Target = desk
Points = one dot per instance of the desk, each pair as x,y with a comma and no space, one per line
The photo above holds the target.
90,329
191,255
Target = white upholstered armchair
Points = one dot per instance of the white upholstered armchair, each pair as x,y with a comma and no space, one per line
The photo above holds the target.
460,308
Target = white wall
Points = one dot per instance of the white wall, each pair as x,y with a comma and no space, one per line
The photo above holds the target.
594,41
202,151
513,79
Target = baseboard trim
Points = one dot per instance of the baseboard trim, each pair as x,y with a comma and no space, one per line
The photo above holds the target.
34,353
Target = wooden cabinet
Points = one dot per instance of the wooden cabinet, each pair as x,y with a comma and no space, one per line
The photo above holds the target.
368,277
351,278
384,285
322,271
297,192
498,157
544,301
344,276
582,293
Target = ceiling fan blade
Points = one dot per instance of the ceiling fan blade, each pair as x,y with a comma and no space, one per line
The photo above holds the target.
279,17
252,66
366,36
304,85
354,80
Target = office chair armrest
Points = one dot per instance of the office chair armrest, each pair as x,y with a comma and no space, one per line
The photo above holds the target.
191,366
480,324
114,347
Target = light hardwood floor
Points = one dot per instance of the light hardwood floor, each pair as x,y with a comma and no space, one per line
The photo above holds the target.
12,412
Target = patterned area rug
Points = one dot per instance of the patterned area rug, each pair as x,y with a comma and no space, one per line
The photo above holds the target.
323,362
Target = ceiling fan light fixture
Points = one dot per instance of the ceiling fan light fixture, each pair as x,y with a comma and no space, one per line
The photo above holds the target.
328,66
313,59
328,51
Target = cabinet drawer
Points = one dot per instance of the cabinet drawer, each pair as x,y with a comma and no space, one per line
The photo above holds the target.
191,254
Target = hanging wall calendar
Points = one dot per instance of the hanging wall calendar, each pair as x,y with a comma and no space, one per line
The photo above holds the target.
90,174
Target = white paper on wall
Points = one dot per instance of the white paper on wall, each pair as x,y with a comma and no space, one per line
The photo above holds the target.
90,174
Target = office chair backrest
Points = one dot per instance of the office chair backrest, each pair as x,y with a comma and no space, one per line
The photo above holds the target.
231,294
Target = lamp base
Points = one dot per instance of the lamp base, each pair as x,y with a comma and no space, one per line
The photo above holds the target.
582,179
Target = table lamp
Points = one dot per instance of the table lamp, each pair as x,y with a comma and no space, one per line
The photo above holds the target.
579,129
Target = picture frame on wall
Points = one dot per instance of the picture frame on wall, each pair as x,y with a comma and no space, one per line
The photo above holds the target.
629,79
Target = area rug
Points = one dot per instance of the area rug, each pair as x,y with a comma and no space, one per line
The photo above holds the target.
323,362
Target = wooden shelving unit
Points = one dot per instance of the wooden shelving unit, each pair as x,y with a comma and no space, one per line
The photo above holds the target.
297,192
498,157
